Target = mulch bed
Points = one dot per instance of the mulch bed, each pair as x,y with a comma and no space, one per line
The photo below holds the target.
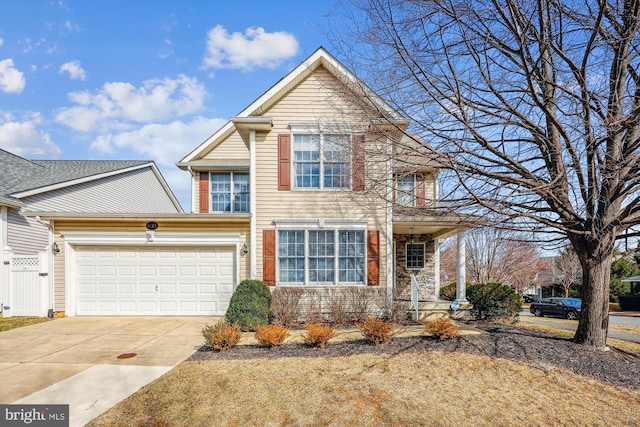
539,349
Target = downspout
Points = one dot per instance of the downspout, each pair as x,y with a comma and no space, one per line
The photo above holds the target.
51,271
391,267
252,205
193,193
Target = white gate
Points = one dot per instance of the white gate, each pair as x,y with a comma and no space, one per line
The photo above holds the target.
28,286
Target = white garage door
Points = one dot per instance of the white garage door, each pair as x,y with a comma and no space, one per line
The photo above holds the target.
154,281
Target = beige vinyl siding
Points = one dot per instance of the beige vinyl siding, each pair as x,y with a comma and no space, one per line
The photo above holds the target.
25,236
429,188
62,226
318,98
137,191
232,148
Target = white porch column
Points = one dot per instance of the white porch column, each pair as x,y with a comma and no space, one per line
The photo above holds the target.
436,268
252,204
461,274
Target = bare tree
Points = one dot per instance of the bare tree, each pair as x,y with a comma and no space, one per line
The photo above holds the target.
495,255
532,106
567,270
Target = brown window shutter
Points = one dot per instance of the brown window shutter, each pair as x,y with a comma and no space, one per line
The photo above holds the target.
357,163
420,190
204,192
269,257
284,162
373,258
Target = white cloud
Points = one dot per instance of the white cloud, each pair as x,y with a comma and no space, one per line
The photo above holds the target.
23,138
11,79
74,69
1,42
164,143
254,48
118,105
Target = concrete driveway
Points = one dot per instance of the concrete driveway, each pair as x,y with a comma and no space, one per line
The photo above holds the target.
75,361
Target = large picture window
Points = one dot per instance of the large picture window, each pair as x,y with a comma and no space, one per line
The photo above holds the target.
321,257
229,192
321,161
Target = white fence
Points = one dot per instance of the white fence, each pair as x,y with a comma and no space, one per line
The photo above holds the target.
25,285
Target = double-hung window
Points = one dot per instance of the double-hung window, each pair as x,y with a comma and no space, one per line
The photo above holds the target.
406,190
415,256
321,161
321,257
229,192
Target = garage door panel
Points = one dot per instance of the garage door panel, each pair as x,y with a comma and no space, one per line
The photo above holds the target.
150,281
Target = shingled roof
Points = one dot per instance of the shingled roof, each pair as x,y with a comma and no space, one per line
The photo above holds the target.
20,175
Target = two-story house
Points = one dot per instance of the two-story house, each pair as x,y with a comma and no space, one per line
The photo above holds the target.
336,193
314,185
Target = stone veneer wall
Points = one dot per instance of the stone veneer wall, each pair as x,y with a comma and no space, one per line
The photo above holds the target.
425,276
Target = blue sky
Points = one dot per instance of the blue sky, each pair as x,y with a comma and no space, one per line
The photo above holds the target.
141,79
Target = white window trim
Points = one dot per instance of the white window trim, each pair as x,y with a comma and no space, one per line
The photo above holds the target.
300,225
406,257
231,192
321,131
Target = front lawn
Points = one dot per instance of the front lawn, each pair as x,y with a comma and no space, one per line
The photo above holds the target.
468,381
7,323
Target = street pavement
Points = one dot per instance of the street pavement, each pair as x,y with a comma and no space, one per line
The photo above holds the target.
631,319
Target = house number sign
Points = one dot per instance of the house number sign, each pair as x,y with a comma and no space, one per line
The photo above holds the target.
152,225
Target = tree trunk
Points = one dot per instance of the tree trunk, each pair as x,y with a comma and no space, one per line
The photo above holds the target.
594,319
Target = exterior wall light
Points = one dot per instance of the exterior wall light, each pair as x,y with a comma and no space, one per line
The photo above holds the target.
245,249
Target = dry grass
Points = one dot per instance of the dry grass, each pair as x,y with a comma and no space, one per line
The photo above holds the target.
421,388
7,323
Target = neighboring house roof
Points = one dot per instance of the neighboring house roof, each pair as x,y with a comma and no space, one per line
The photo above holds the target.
632,279
21,177
319,58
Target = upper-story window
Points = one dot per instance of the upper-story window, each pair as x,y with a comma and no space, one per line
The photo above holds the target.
229,192
321,161
406,190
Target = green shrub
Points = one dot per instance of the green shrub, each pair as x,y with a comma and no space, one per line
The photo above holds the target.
617,289
493,301
376,330
442,328
221,336
448,292
249,305
271,335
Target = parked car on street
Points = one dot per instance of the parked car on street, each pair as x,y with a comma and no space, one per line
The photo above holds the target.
529,297
565,307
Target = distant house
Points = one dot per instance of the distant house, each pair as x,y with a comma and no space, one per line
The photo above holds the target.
30,189
297,190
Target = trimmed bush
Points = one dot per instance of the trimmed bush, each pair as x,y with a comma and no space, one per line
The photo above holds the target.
271,335
376,330
249,305
221,336
630,302
494,301
318,335
442,328
448,292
